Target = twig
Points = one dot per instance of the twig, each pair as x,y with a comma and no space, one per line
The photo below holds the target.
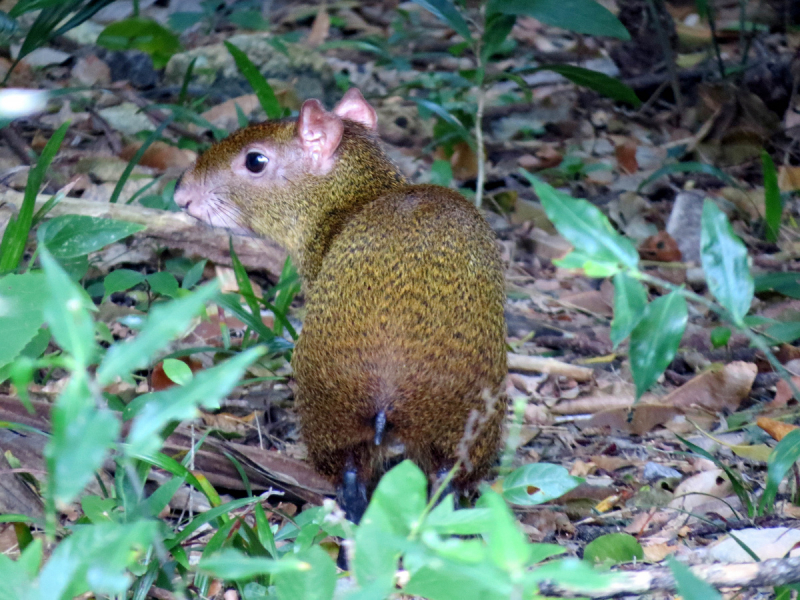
16,143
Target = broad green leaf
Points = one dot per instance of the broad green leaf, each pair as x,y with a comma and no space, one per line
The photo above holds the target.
82,435
177,370
21,300
95,558
784,333
655,339
724,260
17,580
584,226
163,283
164,323
15,236
446,11
599,82
263,90
317,582
720,336
121,280
508,547
396,506
541,552
691,587
194,275
438,577
536,483
68,236
136,33
580,16
99,510
772,197
783,457
445,520
66,311
630,298
498,27
787,283
233,565
569,573
613,549
205,389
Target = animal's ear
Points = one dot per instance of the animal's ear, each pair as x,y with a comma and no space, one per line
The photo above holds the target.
320,131
354,107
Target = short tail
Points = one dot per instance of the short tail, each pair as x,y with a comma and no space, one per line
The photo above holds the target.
380,426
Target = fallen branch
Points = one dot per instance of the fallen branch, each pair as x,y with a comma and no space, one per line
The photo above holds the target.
551,366
769,573
174,230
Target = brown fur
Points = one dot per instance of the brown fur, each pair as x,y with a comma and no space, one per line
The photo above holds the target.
404,296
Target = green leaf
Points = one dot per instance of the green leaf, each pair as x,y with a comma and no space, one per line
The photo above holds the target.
783,457
445,520
446,12
447,117
205,389
177,371
783,333
720,336
163,283
613,549
194,275
787,283
498,27
314,583
68,236
691,587
82,435
99,510
95,558
690,167
630,299
724,260
263,90
508,547
655,339
120,281
570,573
16,234
66,311
232,565
585,227
599,82
164,323
536,483
580,16
772,197
396,506
146,35
21,300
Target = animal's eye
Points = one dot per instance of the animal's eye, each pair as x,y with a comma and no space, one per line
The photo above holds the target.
255,162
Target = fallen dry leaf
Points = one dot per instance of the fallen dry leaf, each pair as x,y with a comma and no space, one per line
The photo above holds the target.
776,429
716,389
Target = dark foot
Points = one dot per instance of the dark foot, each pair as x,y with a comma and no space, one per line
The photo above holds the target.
352,496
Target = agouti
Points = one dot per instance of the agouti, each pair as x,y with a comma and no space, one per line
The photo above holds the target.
402,347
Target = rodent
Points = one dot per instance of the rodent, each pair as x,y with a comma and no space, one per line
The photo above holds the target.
404,334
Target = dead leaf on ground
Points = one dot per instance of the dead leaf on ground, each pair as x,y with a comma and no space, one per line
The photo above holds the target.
776,429
716,389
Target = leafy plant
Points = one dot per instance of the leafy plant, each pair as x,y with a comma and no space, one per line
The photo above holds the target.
457,113
55,18
142,34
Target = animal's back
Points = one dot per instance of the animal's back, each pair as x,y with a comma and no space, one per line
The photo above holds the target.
406,319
